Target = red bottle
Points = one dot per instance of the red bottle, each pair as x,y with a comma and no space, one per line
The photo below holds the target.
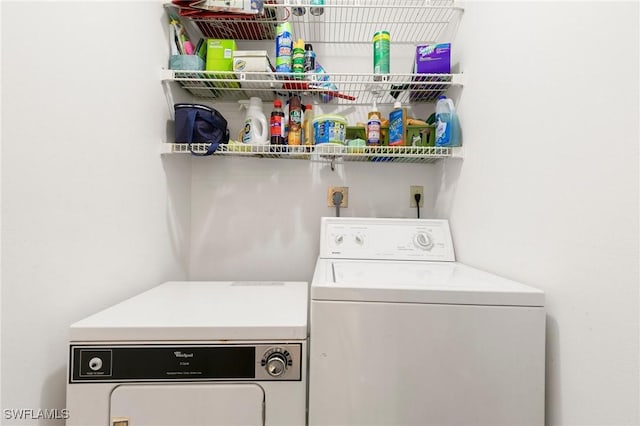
277,123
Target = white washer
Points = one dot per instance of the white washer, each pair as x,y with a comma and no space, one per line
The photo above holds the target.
193,353
401,334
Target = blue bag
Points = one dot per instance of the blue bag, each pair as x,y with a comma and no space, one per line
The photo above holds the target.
200,124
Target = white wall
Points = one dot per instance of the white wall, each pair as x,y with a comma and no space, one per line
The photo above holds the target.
548,191
88,217
254,219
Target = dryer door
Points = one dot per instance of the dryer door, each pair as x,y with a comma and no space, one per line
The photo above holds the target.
185,404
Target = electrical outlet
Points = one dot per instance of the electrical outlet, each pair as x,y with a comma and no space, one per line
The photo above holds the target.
345,195
413,190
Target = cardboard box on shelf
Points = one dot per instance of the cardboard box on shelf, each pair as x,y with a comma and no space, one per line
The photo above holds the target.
220,54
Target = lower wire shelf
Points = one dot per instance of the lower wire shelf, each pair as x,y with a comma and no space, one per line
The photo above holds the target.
323,152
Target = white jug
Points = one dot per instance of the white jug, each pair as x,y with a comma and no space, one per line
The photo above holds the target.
256,129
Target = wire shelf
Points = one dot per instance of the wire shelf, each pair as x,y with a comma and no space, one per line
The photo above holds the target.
348,89
341,21
323,153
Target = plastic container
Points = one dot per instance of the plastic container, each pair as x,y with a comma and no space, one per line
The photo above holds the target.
447,124
297,59
397,125
373,126
307,125
284,47
329,128
309,61
277,123
256,129
318,9
298,11
381,52
295,121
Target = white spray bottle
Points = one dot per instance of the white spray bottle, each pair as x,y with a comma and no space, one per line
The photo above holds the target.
256,129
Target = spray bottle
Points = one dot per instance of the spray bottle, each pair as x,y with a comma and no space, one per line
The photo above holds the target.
256,129
373,126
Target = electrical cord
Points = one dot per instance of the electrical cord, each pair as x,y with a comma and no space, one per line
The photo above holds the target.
337,201
417,197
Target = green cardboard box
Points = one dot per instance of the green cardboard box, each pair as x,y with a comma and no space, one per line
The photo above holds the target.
220,54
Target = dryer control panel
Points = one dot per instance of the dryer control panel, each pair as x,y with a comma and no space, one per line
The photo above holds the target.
158,362
386,239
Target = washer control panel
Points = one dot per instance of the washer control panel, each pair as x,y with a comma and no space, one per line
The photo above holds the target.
156,362
386,239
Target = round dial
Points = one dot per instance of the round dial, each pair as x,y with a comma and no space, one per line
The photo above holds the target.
359,239
276,364
339,239
95,363
423,241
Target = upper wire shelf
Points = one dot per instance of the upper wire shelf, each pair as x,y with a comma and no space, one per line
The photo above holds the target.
337,88
342,21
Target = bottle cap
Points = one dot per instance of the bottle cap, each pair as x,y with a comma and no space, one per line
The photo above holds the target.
308,46
277,103
397,104
442,97
308,106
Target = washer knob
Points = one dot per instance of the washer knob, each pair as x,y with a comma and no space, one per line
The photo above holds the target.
423,241
359,239
339,239
276,364
95,363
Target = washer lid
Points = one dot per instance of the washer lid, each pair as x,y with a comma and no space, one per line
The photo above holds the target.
201,310
417,282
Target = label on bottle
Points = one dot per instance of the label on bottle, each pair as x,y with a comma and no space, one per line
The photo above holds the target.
381,45
247,133
443,130
295,117
396,127
373,131
277,127
284,47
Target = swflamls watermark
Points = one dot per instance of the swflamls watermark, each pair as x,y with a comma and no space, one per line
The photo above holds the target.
35,414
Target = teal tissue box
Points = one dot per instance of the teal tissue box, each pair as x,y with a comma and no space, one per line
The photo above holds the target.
186,62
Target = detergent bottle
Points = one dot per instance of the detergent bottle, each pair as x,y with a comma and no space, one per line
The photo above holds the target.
256,129
373,126
447,125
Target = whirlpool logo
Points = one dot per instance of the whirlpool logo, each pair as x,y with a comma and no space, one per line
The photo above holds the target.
179,354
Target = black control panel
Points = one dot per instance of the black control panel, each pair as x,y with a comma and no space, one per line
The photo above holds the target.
146,363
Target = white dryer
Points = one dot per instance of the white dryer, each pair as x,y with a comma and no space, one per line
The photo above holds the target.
401,334
193,353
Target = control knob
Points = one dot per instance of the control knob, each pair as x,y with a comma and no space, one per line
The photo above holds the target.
339,239
423,241
95,363
276,364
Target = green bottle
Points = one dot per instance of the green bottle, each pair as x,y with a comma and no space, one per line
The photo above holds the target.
298,59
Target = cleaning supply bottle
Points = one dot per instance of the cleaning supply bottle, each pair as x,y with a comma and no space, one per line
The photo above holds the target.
295,120
397,125
284,47
277,123
373,126
447,124
317,7
256,130
307,125
297,59
309,61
